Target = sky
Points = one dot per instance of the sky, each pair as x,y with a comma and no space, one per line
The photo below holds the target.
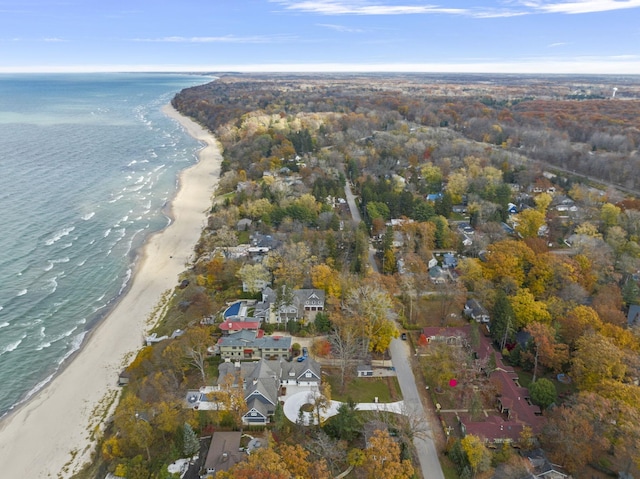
488,36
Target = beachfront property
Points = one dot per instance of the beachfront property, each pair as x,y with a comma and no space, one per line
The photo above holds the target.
253,344
264,381
305,303
224,453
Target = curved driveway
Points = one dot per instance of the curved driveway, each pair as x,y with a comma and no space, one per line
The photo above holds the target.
294,402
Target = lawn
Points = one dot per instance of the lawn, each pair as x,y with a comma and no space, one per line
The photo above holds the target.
365,389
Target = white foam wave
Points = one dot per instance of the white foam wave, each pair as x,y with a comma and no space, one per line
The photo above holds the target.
126,280
144,161
116,199
75,345
42,328
106,233
139,180
132,163
53,284
67,245
49,266
38,387
88,216
22,292
4,325
12,346
59,234
81,263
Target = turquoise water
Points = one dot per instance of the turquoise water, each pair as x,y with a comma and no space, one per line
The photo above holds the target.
87,164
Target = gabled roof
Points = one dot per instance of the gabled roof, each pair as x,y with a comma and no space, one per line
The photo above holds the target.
233,326
299,369
224,451
492,428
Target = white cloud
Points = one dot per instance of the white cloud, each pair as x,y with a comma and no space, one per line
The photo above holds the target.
340,28
557,44
54,40
581,6
360,7
519,8
220,39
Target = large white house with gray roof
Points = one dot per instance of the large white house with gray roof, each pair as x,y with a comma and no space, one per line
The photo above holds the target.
249,344
262,381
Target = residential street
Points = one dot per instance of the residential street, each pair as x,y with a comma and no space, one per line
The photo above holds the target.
425,446
401,359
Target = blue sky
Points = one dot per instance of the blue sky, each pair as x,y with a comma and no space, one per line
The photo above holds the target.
520,36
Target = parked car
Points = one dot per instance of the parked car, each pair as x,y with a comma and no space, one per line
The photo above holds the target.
305,353
403,336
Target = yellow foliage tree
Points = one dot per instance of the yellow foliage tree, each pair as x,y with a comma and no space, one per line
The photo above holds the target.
527,310
382,459
325,277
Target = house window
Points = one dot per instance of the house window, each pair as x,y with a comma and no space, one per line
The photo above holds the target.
253,413
307,375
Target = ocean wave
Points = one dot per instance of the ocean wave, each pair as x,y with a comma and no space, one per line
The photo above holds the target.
53,284
22,292
67,245
81,263
75,345
132,163
37,388
88,216
59,235
12,346
52,262
125,281
4,325
106,233
139,180
116,199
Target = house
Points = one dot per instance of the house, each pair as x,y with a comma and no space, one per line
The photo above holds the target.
542,468
250,344
473,309
229,326
437,275
224,453
364,370
262,382
514,409
304,303
512,209
449,260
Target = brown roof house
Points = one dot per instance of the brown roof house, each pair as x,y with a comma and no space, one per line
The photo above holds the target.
224,453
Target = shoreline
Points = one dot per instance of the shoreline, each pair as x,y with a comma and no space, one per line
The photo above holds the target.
50,434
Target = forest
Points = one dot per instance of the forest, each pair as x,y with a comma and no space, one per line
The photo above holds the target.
528,182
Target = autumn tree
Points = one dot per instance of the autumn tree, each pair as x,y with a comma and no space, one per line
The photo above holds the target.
529,223
596,360
478,455
527,309
547,351
577,322
325,277
196,342
369,305
570,438
382,458
254,276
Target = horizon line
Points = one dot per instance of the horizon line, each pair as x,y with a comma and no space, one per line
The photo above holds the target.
623,66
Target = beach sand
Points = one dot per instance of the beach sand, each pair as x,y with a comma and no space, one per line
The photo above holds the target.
51,435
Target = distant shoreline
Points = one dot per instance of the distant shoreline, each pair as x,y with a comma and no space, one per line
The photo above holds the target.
49,435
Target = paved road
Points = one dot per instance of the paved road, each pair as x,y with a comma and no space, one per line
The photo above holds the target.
425,446
401,358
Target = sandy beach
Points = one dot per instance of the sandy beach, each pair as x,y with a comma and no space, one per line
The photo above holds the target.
51,435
